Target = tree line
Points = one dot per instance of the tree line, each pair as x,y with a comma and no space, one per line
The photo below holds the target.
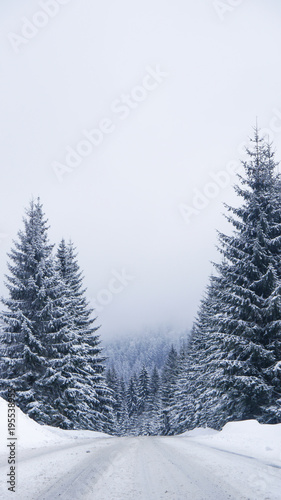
50,349
230,368
142,405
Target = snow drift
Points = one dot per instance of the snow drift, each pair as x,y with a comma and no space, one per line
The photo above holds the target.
30,434
248,437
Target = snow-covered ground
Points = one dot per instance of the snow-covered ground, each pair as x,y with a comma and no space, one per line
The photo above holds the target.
241,462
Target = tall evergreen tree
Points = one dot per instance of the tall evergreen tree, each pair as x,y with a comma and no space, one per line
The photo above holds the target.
144,407
168,381
50,353
143,389
195,396
233,370
154,382
154,405
132,405
124,416
36,327
132,397
86,398
118,400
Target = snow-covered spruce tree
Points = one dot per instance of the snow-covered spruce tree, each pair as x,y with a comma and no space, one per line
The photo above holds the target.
50,354
143,389
119,403
86,399
195,398
132,406
168,384
35,321
132,397
145,416
155,403
236,343
154,382
124,419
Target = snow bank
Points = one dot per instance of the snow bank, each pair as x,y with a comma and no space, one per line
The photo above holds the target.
249,437
200,431
30,434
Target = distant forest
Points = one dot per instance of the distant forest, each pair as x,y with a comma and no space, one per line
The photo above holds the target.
128,354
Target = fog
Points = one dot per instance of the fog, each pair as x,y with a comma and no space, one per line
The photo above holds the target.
120,115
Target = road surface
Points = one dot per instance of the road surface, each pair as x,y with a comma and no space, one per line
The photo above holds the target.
141,468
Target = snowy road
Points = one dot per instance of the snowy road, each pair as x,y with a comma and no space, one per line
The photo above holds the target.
146,468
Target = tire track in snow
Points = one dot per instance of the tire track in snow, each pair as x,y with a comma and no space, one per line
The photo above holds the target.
81,480
248,477
168,475
142,468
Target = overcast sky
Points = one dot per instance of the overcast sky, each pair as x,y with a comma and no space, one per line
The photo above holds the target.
167,91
